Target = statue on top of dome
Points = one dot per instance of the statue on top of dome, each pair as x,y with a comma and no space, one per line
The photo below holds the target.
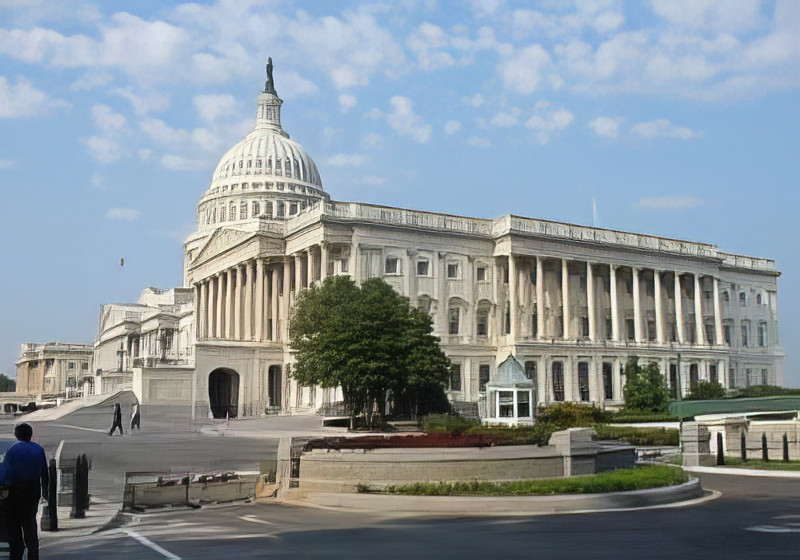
269,86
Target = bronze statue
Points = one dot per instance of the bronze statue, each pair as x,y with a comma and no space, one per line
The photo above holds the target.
269,87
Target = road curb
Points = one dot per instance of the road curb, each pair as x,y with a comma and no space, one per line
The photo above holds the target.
743,472
669,496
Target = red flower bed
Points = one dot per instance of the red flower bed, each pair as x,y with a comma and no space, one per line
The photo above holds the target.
388,442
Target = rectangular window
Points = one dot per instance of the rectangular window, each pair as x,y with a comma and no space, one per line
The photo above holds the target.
483,323
523,405
694,378
455,377
484,371
558,381
534,325
743,299
453,320
712,373
530,370
710,334
608,381
84,366
630,329
293,209
480,274
391,265
243,211
232,212
762,335
256,209
423,267
452,271
344,264
765,377
222,214
585,327
726,334
673,380
507,320
506,409
71,365
744,335
583,380
732,377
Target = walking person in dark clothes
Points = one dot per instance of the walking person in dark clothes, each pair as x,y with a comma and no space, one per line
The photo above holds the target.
117,420
136,417
24,471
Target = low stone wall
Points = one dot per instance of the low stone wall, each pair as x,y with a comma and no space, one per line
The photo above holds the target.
153,494
753,430
572,453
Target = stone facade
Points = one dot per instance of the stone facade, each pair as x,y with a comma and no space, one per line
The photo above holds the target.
53,368
570,302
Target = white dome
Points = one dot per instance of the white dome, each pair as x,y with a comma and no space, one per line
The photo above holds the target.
267,175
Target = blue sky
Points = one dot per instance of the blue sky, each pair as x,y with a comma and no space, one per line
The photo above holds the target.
679,117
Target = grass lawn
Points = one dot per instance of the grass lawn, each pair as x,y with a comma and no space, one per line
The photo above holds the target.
638,478
760,464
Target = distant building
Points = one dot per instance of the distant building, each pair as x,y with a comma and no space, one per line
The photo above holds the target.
571,303
53,368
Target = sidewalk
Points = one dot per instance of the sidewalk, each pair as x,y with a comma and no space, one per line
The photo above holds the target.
100,513
744,472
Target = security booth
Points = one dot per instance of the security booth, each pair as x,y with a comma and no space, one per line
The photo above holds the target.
510,396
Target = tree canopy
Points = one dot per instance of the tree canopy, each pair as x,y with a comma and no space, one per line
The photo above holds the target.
7,385
645,388
370,342
706,390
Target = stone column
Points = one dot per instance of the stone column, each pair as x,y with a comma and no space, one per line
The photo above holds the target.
220,294
637,306
678,308
539,298
310,271
207,309
323,262
698,311
590,300
259,314
298,272
198,309
285,303
274,307
717,315
614,308
658,303
565,318
237,316
512,297
228,303
248,301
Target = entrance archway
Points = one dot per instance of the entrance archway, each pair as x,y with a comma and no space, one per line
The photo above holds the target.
223,393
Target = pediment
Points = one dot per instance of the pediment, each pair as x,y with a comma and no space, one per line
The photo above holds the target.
221,241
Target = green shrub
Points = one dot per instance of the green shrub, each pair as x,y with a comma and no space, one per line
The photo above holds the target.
706,390
639,436
755,391
639,478
448,423
573,415
635,416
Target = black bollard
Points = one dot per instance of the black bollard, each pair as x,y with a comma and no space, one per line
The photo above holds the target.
785,448
77,491
720,450
744,448
84,482
50,510
764,448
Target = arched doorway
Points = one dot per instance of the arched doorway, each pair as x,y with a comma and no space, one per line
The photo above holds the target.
223,393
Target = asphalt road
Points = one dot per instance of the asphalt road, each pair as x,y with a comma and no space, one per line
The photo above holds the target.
754,518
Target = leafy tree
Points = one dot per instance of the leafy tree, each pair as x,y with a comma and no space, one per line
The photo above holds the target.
645,388
370,342
7,385
706,390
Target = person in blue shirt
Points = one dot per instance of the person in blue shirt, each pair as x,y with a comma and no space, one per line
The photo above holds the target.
24,471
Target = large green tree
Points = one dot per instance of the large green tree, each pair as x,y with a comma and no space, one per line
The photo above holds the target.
645,388
7,385
370,342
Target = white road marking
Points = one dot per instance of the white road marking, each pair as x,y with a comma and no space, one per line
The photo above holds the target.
773,529
98,430
251,519
150,544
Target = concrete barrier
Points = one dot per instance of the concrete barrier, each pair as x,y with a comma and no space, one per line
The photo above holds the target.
187,490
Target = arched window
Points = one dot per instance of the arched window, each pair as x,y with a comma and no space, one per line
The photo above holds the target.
758,299
287,168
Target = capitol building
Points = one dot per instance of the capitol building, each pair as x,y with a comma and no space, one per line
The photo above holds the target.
570,303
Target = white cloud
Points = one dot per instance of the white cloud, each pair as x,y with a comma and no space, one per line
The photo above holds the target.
373,180
451,127
607,127
178,163
145,154
477,142
21,99
372,141
103,149
486,7
211,107
144,103
347,101
474,101
407,123
427,42
90,81
122,214
730,15
7,163
662,128
522,71
107,120
670,202
549,123
98,181
347,160
506,119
